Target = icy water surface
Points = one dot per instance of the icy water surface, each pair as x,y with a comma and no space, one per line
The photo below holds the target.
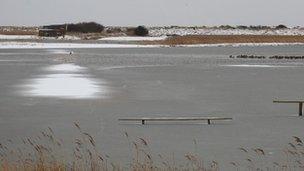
41,88
65,81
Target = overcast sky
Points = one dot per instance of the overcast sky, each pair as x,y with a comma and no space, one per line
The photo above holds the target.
153,12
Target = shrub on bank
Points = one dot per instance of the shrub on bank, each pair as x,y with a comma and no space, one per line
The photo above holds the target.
281,26
259,27
141,31
226,27
85,27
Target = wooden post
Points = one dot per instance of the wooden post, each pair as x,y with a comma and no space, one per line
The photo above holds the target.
301,109
142,122
209,121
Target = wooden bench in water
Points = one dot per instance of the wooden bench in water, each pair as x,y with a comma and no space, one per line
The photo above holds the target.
145,119
300,102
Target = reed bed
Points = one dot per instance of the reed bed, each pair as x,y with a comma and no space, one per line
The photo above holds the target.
46,152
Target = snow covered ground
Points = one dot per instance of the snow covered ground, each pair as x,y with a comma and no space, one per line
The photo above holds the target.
36,45
34,37
213,31
17,37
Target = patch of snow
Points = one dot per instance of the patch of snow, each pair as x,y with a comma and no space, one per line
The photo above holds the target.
66,37
17,37
35,37
216,31
35,45
133,38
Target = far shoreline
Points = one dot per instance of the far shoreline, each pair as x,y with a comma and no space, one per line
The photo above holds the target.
76,45
159,36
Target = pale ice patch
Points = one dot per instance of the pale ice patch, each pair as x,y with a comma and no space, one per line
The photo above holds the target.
59,51
10,60
66,82
131,66
257,66
66,68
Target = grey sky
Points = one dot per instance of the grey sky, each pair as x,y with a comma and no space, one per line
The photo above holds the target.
153,12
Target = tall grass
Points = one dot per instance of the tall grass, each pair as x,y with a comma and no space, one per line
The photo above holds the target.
46,152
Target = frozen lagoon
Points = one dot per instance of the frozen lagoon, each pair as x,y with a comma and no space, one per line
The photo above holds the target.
67,81
158,82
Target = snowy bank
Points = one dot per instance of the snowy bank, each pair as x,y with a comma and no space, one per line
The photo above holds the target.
158,31
35,45
17,37
35,37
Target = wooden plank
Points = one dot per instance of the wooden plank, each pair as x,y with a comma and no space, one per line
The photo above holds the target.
292,101
300,109
174,118
145,119
288,101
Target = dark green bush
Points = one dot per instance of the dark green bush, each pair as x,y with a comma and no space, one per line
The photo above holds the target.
281,26
141,31
242,27
259,27
226,27
89,27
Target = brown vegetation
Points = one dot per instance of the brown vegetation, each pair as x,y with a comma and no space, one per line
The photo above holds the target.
10,30
46,152
219,39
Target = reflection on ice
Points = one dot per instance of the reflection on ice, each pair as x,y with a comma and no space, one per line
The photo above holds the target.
69,85
66,68
58,51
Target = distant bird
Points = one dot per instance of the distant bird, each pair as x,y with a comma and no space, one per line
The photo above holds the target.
259,151
243,149
298,140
